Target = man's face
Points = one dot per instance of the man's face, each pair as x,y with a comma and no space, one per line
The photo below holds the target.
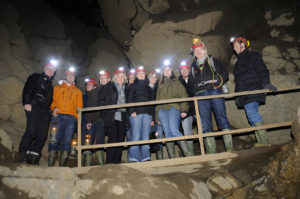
141,75
238,47
104,80
70,78
167,72
89,87
131,79
199,52
49,70
185,72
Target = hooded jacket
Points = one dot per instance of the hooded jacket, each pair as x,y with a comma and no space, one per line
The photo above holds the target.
250,73
67,99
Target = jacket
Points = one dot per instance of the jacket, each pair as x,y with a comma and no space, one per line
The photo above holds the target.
170,89
93,101
250,73
110,97
140,91
67,99
191,111
38,91
198,79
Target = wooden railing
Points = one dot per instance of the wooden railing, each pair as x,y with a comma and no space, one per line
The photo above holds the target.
199,136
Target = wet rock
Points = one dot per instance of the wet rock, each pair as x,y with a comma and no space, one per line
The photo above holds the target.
5,140
222,183
200,191
285,19
10,90
242,176
288,38
156,6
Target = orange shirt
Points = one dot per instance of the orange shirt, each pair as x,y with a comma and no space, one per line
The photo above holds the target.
67,99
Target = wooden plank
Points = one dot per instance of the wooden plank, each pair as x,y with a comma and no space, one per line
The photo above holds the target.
167,101
79,138
208,134
199,127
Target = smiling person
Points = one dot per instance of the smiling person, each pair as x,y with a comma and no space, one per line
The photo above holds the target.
66,99
140,117
37,98
207,78
169,115
251,73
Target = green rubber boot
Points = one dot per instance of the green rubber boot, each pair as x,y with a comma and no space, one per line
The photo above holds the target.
190,146
171,149
159,155
100,157
228,141
210,145
261,136
184,148
88,160
64,155
52,158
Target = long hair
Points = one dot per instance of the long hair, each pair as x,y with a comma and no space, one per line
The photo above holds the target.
162,78
125,78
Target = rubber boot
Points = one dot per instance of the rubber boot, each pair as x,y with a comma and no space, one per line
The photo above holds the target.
184,148
100,157
190,146
262,138
52,158
210,145
171,149
88,160
228,141
64,155
159,154
23,157
83,158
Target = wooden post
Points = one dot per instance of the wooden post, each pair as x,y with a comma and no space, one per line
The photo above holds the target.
199,126
79,138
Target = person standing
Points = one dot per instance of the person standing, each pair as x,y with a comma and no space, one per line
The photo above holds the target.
207,78
251,73
36,98
115,119
66,99
187,122
95,124
169,115
140,117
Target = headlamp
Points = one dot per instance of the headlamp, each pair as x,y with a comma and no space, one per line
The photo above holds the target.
157,70
54,62
167,62
72,69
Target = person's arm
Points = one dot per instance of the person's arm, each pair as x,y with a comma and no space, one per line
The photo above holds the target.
28,91
131,98
221,70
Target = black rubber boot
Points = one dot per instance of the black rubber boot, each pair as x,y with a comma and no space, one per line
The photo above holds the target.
33,158
52,158
64,155
23,157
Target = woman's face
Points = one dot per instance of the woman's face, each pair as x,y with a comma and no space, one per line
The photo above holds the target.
120,78
131,79
141,75
153,79
167,72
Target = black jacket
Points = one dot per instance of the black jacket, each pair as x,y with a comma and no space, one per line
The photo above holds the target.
250,73
208,73
93,101
191,111
38,91
140,91
109,96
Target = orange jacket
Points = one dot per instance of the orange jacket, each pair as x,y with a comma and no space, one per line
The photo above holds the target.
67,99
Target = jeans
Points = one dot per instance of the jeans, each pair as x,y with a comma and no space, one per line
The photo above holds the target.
140,126
157,128
65,129
170,121
36,130
187,125
251,110
216,105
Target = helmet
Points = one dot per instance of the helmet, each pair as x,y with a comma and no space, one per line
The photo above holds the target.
104,73
131,72
184,64
240,40
120,70
197,43
90,81
140,68
71,70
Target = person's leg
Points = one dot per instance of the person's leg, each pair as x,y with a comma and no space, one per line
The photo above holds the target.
112,138
174,122
256,120
187,125
136,128
163,118
159,153
69,129
53,148
100,139
145,133
121,133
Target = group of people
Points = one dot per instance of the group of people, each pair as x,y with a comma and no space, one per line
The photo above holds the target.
204,77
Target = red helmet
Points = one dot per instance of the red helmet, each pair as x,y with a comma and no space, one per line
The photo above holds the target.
120,70
184,64
241,40
90,81
140,68
104,73
197,43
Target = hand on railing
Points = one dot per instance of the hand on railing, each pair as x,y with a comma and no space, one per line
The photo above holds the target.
183,115
88,126
270,87
133,114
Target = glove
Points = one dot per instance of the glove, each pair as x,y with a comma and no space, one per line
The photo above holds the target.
270,87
